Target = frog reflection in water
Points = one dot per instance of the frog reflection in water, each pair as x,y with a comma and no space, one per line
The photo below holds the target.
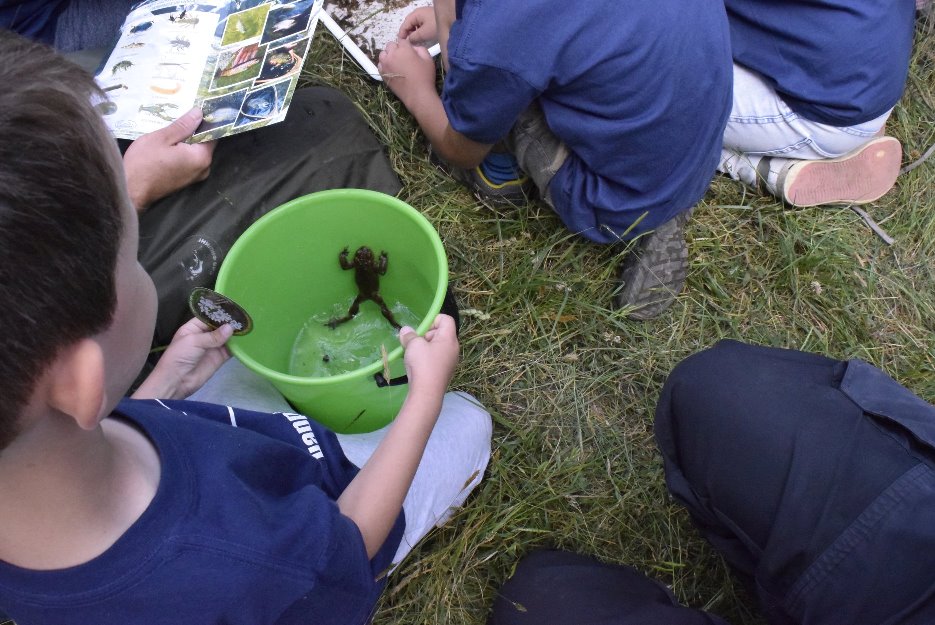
367,272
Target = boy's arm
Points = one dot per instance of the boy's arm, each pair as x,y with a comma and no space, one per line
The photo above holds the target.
375,496
409,72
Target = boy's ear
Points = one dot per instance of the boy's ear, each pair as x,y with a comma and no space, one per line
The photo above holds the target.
76,383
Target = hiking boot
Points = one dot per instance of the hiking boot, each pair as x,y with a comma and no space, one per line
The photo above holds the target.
653,273
859,177
497,179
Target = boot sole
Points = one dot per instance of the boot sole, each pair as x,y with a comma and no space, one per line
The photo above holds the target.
857,178
653,275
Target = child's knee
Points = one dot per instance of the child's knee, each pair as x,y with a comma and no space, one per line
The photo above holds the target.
466,419
696,380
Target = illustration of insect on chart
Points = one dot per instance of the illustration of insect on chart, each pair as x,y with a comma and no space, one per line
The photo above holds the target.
239,61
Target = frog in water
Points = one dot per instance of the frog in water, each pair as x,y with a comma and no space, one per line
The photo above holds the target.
367,272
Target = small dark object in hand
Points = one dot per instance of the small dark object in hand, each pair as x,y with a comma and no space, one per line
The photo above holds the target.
215,310
367,272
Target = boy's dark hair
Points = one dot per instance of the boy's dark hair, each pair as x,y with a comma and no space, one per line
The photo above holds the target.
60,221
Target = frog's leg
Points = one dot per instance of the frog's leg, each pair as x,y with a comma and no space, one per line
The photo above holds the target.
351,313
386,311
384,262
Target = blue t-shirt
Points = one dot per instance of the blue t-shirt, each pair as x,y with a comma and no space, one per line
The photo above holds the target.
838,62
638,91
35,19
243,530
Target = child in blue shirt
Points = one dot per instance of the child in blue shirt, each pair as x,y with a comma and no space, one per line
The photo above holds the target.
814,83
151,510
615,110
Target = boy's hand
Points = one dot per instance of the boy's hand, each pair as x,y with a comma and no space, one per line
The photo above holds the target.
409,72
431,360
419,27
192,357
160,163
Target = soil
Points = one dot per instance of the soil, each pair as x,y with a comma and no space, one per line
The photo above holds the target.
371,25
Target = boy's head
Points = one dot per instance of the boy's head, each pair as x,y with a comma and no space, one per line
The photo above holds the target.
67,230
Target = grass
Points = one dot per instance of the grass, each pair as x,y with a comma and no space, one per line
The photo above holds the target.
572,383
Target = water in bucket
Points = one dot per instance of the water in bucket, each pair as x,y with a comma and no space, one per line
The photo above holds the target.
320,351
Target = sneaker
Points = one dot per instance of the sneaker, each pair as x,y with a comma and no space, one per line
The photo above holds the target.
497,179
861,176
653,274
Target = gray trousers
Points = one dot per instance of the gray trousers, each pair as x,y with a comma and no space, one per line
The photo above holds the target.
452,464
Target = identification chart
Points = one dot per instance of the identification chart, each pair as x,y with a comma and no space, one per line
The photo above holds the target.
238,61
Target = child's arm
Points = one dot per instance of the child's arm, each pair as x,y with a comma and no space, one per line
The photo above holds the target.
409,72
192,357
374,498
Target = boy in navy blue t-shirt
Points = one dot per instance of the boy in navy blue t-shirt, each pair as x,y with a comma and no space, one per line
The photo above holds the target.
614,108
165,511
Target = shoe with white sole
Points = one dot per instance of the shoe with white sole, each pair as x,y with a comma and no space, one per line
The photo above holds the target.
862,176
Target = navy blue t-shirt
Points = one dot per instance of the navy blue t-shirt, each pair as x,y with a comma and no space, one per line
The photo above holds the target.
243,530
838,62
638,91
35,19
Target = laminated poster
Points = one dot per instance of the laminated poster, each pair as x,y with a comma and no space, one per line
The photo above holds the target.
364,27
238,60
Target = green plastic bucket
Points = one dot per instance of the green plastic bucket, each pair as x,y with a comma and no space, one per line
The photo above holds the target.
284,269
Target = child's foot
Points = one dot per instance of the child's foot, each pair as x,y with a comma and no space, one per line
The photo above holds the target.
653,274
861,176
498,178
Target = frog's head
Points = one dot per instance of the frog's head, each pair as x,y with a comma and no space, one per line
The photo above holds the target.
363,256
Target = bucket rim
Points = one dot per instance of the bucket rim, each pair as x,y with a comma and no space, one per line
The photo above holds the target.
299,203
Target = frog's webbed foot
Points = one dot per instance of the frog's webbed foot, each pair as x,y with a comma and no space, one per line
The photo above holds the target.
389,317
351,313
336,321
